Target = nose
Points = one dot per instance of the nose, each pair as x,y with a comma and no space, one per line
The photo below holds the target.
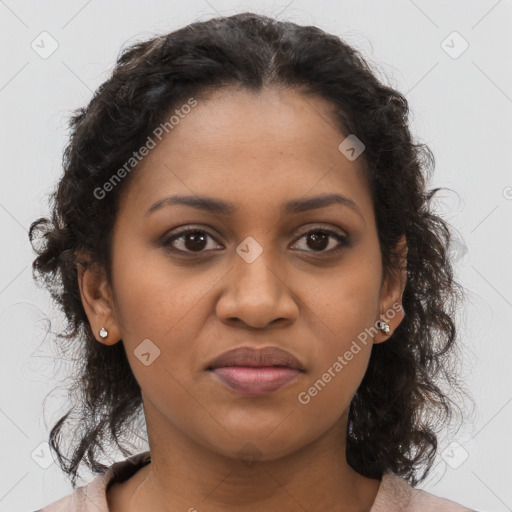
256,294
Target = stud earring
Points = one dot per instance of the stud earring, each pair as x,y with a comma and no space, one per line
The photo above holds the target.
383,327
103,333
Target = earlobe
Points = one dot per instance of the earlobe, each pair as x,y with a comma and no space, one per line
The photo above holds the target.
392,311
96,296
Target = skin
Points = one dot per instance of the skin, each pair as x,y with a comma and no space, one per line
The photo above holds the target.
257,151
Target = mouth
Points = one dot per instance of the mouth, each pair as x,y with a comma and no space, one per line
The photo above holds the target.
253,380
255,372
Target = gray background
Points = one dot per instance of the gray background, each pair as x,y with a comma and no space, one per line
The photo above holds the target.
461,106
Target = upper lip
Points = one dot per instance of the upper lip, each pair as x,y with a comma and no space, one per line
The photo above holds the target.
248,356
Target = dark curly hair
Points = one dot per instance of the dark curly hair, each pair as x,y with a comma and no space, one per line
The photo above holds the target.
400,406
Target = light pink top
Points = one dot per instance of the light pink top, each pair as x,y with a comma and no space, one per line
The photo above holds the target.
395,494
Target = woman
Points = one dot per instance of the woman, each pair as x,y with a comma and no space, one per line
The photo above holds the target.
243,245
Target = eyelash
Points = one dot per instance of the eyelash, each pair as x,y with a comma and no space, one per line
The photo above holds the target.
342,239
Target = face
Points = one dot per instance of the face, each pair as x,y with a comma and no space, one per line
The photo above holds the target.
194,283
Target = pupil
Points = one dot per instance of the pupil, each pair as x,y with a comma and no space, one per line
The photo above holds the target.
321,239
195,238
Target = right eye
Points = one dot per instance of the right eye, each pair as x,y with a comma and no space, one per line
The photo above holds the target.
189,240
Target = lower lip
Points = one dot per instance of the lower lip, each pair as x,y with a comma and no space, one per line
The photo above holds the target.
255,380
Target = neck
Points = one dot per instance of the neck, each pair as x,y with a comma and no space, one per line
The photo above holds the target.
184,475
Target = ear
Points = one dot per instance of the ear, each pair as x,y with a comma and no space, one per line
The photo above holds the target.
391,310
97,299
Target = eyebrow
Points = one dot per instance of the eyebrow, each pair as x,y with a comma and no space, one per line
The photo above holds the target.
212,205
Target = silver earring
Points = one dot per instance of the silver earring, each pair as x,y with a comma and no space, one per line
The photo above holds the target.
383,326
103,333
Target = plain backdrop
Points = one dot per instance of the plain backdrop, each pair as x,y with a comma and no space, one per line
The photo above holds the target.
451,59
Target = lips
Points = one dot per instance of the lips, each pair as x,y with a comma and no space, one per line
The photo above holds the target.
264,357
250,371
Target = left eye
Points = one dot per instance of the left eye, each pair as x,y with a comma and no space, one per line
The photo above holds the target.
319,239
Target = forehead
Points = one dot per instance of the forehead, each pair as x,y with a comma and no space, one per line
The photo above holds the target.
249,148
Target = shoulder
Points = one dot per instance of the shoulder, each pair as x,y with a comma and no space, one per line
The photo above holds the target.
83,499
395,493
93,496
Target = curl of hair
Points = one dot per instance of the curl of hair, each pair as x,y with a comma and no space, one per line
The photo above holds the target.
397,410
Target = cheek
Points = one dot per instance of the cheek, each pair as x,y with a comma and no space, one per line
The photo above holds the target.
160,312
155,299
335,377
342,312
341,305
